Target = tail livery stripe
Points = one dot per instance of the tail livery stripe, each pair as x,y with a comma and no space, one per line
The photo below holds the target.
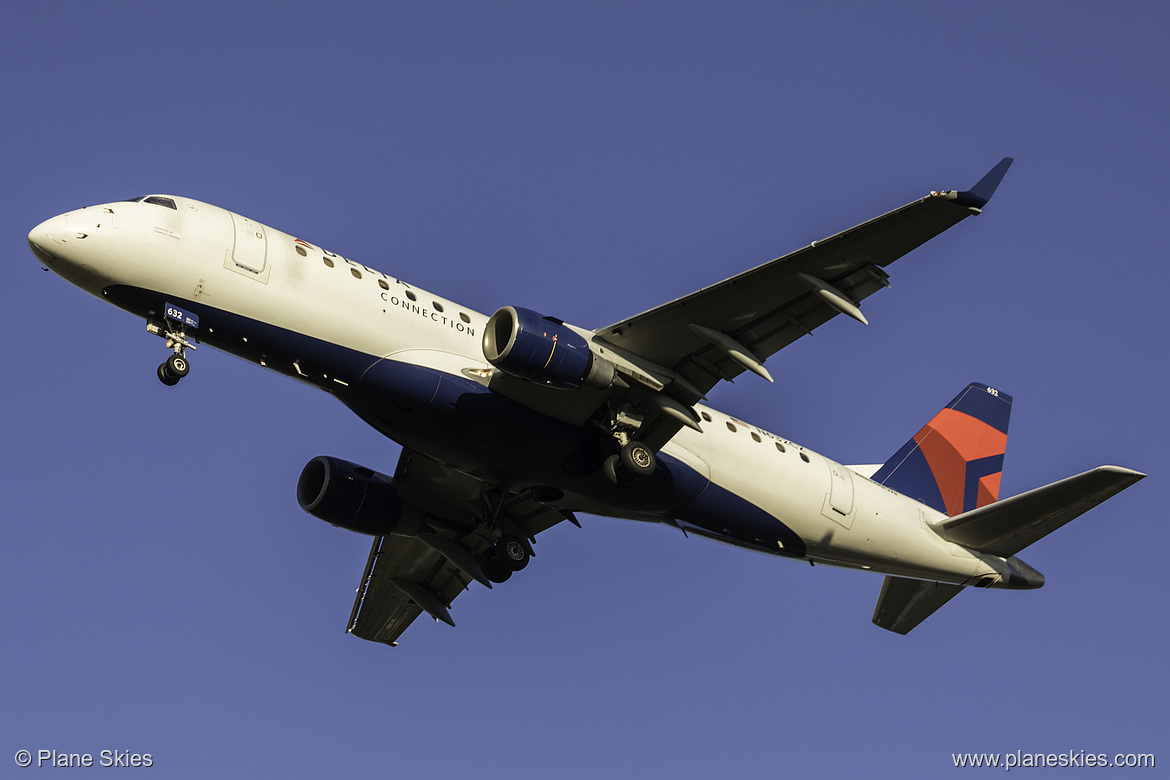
981,486
955,462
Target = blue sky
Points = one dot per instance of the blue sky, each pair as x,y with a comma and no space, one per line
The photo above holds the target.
161,591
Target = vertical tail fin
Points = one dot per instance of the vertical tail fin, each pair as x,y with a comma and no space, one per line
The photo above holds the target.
955,462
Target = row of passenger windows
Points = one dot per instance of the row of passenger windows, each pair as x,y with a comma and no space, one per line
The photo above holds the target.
755,436
357,274
158,200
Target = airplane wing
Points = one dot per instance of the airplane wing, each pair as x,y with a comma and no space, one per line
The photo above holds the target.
406,576
720,331
384,608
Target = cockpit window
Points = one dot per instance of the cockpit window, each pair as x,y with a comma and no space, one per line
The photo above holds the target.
160,201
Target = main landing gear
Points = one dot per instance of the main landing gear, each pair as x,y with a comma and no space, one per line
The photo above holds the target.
509,554
623,457
633,461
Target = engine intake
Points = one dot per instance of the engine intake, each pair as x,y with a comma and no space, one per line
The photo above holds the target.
542,349
349,496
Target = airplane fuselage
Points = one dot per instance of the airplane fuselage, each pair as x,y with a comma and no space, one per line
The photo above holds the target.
411,364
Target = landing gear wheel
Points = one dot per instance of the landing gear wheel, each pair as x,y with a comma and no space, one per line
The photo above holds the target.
512,553
616,472
638,459
178,366
166,377
491,568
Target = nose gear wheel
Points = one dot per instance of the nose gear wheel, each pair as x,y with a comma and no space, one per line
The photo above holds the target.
166,377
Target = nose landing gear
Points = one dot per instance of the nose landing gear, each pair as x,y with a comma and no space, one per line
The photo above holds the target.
173,329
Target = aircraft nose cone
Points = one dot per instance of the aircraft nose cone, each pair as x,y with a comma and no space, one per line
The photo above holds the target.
45,239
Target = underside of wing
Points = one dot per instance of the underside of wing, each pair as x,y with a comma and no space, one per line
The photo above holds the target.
454,525
401,573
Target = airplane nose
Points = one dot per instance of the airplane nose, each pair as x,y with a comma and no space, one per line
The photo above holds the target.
45,239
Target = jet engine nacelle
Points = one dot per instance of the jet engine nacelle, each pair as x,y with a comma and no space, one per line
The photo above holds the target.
541,349
349,496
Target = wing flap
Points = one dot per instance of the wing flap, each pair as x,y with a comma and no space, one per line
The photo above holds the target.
1011,524
388,599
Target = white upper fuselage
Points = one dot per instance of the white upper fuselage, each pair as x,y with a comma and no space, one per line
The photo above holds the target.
140,254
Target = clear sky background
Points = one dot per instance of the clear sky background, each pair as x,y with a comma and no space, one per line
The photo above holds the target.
162,593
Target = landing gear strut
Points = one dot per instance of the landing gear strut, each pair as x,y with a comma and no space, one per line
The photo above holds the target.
630,459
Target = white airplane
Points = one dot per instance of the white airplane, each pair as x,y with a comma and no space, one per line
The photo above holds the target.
512,423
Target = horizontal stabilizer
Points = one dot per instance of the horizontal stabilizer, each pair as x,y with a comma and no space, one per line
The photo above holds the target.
1008,526
904,603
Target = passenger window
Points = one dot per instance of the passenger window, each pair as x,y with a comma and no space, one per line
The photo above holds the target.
464,317
301,251
411,295
731,427
780,447
756,436
356,273
328,262
706,417
804,457
383,285
436,306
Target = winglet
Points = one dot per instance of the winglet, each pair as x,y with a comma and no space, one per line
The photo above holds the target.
977,196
